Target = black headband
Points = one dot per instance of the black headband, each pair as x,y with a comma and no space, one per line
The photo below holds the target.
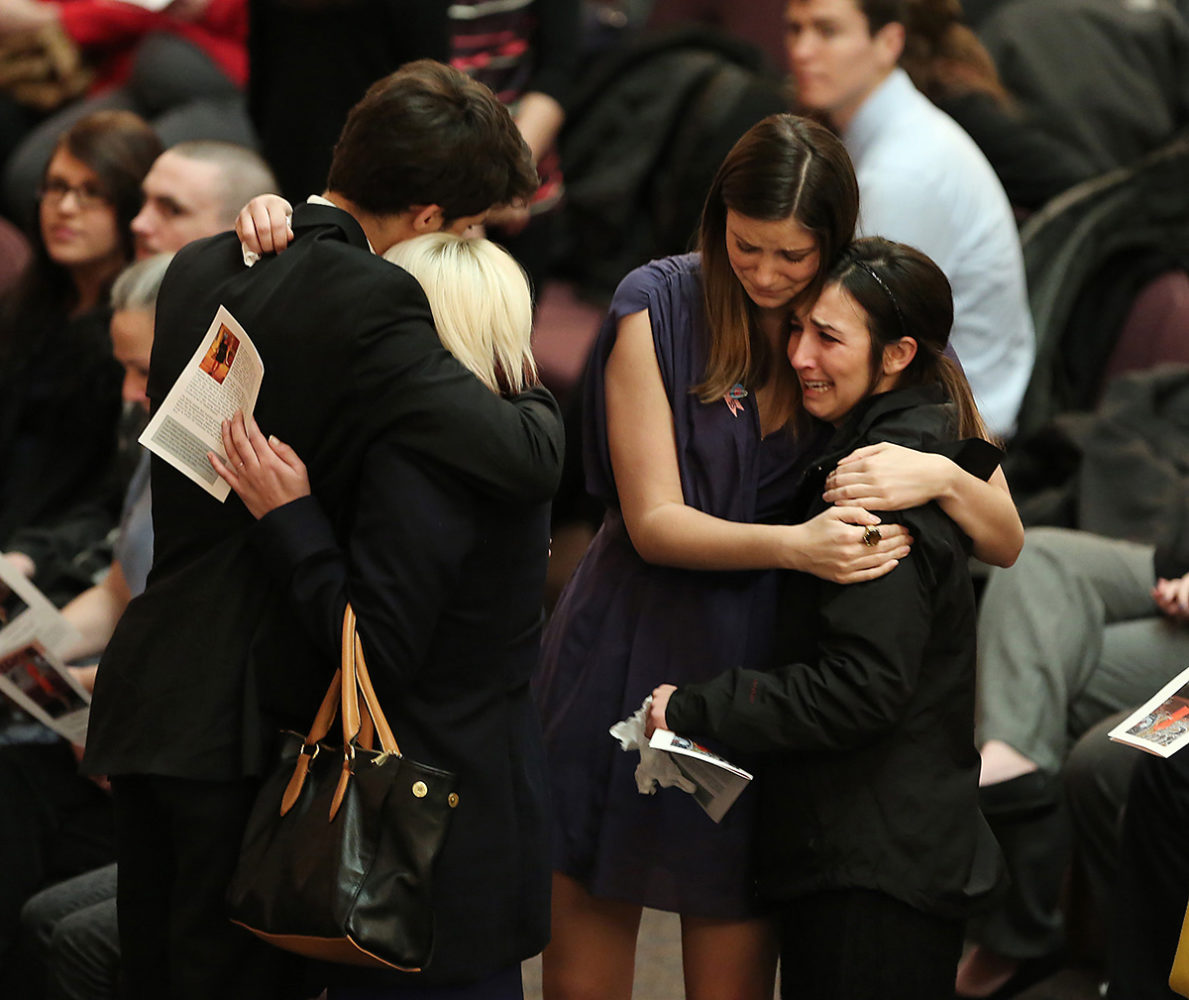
888,292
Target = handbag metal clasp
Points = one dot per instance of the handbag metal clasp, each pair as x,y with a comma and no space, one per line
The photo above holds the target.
308,752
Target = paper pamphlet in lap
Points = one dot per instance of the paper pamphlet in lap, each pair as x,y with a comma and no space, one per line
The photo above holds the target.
223,376
1161,725
32,676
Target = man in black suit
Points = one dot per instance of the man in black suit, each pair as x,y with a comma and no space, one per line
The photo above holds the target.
210,661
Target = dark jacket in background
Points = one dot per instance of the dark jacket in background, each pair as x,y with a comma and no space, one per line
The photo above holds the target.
59,413
1032,165
1110,80
1121,471
872,775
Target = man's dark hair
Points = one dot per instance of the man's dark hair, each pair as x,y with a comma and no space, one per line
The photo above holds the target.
883,12
430,135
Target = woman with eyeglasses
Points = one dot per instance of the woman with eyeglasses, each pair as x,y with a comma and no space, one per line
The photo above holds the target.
59,385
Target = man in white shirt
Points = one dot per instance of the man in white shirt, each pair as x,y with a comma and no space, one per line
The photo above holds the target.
922,181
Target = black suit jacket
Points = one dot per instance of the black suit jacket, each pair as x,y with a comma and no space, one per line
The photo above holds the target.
209,662
871,779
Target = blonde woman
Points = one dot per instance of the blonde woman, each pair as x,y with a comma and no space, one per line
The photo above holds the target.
447,586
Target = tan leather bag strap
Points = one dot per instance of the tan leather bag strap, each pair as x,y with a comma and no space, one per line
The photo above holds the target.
387,738
322,723
350,686
359,729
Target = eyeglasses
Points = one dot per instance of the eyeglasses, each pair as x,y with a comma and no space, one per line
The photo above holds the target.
55,191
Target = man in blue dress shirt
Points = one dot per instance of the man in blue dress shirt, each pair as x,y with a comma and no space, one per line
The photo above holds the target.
922,181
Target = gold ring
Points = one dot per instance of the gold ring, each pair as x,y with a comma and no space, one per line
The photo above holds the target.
871,535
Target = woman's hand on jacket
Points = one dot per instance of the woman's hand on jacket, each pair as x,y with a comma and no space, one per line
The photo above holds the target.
264,472
847,545
264,224
891,477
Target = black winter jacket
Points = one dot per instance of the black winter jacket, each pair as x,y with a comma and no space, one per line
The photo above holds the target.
871,780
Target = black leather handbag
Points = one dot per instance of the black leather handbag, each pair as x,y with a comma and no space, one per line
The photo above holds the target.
338,856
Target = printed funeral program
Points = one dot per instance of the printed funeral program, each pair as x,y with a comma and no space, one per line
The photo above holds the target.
27,615
33,635
223,376
1160,726
717,782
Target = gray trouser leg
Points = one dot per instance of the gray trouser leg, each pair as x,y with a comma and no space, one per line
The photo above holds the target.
1042,633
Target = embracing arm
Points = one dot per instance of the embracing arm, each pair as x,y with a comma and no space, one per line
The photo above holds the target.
866,672
419,393
891,477
668,532
511,448
408,542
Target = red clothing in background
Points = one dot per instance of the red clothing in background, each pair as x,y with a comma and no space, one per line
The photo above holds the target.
109,30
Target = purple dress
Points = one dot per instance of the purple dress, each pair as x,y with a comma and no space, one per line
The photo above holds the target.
623,626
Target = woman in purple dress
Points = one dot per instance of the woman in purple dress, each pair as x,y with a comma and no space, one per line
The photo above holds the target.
690,443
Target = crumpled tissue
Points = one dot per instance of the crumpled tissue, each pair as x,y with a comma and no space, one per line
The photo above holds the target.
656,767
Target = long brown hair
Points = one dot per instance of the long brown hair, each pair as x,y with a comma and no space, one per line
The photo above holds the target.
943,56
905,294
119,147
783,167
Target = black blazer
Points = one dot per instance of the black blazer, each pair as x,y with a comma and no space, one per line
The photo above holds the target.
873,778
447,588
208,662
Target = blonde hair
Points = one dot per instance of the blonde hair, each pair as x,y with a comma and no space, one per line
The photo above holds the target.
481,305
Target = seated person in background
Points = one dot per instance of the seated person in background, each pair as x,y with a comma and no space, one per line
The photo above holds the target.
1153,880
58,823
195,189
182,67
448,586
14,255
948,64
527,55
1081,627
192,190
922,181
871,846
1105,78
59,386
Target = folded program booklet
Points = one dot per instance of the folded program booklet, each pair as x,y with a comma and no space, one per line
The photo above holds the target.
33,637
717,782
223,376
1161,725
